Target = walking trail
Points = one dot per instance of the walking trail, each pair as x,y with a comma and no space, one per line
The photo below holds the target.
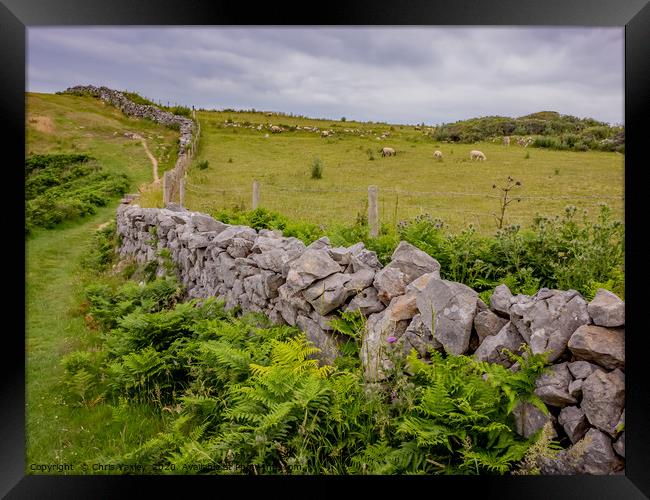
154,162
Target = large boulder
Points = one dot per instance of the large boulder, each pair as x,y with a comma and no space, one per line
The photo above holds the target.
492,349
448,310
605,346
547,320
311,266
607,309
603,399
552,387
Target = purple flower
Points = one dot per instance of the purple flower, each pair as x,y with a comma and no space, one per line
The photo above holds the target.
391,339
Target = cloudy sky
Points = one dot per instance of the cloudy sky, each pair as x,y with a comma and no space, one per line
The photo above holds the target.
397,75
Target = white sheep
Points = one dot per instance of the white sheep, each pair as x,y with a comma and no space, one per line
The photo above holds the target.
475,154
388,152
506,140
275,129
437,154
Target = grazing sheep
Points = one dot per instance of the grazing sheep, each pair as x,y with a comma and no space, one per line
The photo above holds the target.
437,155
387,152
325,133
475,154
275,129
506,140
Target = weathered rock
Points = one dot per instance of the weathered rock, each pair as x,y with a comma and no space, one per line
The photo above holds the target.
366,302
619,445
552,387
364,259
492,348
341,255
604,346
412,262
528,419
450,307
204,223
329,293
417,336
574,422
239,247
486,323
603,399
500,300
575,388
320,244
391,322
607,309
593,454
225,238
272,260
481,306
389,282
582,369
547,320
311,266
324,341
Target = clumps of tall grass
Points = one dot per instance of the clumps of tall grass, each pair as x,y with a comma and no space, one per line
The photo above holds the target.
316,168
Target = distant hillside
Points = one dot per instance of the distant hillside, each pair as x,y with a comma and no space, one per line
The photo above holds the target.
549,129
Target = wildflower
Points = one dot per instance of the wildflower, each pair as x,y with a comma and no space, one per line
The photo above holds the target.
391,339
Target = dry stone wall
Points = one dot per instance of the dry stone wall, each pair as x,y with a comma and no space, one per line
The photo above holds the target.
408,306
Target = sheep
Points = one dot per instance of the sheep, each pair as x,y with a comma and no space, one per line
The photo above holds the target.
475,154
506,140
325,133
437,155
275,129
388,152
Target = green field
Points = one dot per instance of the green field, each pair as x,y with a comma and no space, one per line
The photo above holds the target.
456,189
58,432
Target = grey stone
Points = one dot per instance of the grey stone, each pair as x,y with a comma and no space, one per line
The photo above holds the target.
607,309
500,300
273,260
321,339
417,336
486,323
574,422
575,388
552,387
239,247
329,293
547,320
453,305
271,282
341,255
582,369
619,445
320,244
413,262
604,346
389,282
603,399
364,259
528,419
226,237
492,348
311,266
360,280
593,454
205,223
366,302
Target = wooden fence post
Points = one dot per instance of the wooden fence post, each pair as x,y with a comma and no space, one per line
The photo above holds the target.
165,188
256,194
181,192
373,211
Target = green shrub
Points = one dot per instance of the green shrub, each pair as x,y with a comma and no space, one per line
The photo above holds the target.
202,165
316,169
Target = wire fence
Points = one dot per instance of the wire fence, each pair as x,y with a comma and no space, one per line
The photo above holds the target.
390,205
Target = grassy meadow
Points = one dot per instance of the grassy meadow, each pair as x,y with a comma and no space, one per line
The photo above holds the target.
58,432
457,190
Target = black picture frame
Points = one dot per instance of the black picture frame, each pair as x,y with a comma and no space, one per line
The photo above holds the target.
634,15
